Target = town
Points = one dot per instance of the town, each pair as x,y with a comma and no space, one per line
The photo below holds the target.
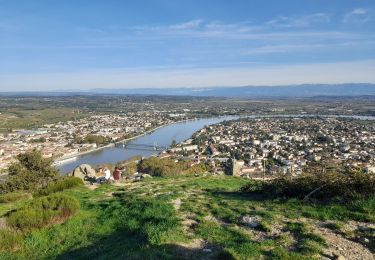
265,147
68,139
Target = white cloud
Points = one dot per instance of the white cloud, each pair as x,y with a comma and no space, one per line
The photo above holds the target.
303,47
300,21
340,72
193,24
358,16
241,31
195,28
282,48
203,28
359,11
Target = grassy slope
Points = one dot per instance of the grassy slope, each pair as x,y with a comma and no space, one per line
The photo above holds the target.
163,217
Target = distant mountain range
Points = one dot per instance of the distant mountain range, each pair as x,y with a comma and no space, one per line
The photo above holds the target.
306,90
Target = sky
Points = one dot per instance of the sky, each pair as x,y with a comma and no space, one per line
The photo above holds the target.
85,44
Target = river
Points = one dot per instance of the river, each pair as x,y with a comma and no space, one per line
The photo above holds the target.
163,137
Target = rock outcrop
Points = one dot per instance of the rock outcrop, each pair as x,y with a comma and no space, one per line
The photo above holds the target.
83,171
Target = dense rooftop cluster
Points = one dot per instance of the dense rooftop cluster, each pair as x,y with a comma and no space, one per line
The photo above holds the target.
288,144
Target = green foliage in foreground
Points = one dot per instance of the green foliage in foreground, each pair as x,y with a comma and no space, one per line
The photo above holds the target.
346,186
13,196
10,240
31,172
307,241
43,211
140,221
60,185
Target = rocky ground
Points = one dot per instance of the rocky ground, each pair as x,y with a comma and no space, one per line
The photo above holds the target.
204,217
197,204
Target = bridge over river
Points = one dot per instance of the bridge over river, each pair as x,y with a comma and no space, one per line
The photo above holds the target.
146,145
140,146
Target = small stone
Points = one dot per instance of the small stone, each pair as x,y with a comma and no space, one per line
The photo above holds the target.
325,258
207,250
252,222
365,240
338,256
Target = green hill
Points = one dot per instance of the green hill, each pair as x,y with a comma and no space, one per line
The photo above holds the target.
192,218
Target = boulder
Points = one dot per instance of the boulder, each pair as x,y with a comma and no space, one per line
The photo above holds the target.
83,171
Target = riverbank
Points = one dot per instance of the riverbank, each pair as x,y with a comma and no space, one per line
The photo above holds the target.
65,159
163,134
62,160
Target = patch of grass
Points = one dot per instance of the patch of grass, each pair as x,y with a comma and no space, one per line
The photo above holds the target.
265,226
282,253
13,196
337,185
10,240
139,222
154,218
60,185
337,226
232,240
306,241
358,210
43,211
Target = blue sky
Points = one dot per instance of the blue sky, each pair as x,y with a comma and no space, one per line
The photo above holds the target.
83,44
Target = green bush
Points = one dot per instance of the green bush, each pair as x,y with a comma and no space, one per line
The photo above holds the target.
31,172
44,211
351,185
13,196
253,186
60,185
10,240
169,167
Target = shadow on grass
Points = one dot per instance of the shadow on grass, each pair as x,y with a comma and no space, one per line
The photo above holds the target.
237,195
125,245
143,228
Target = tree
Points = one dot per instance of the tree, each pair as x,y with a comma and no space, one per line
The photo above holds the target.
174,143
31,171
97,139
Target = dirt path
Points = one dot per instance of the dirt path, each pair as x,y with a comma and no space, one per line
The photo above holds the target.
340,246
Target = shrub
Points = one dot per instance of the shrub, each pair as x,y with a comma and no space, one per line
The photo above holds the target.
351,185
97,139
10,240
44,211
31,172
253,186
169,167
60,185
13,196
